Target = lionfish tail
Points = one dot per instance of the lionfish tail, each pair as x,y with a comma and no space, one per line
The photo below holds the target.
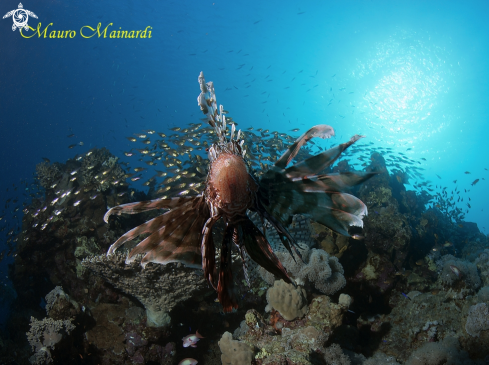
174,236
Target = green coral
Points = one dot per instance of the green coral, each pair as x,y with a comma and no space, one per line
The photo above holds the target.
262,354
431,263
250,319
379,196
86,247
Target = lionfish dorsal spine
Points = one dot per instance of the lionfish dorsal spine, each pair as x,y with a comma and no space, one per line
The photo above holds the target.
215,116
233,129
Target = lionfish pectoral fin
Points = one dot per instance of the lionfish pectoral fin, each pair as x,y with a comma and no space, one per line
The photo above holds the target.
321,130
287,240
146,227
315,164
339,211
144,206
175,235
225,287
260,251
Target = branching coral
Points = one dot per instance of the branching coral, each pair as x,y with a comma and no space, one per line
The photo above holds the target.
158,287
47,173
43,337
379,197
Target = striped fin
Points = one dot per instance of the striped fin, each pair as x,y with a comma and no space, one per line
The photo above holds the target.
317,163
321,131
335,210
175,236
260,251
332,182
144,206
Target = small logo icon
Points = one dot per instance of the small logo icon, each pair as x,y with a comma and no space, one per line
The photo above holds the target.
20,17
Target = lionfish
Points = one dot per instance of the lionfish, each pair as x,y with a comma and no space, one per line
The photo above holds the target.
232,189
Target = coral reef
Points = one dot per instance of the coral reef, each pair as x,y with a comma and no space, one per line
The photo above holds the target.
120,332
482,263
158,287
443,352
43,337
477,320
316,267
234,352
422,318
483,294
333,355
60,305
287,299
400,301
97,167
467,273
47,174
279,340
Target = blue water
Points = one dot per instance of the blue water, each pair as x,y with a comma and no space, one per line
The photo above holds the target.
404,74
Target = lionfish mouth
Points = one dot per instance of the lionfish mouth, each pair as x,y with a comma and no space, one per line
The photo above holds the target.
232,189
